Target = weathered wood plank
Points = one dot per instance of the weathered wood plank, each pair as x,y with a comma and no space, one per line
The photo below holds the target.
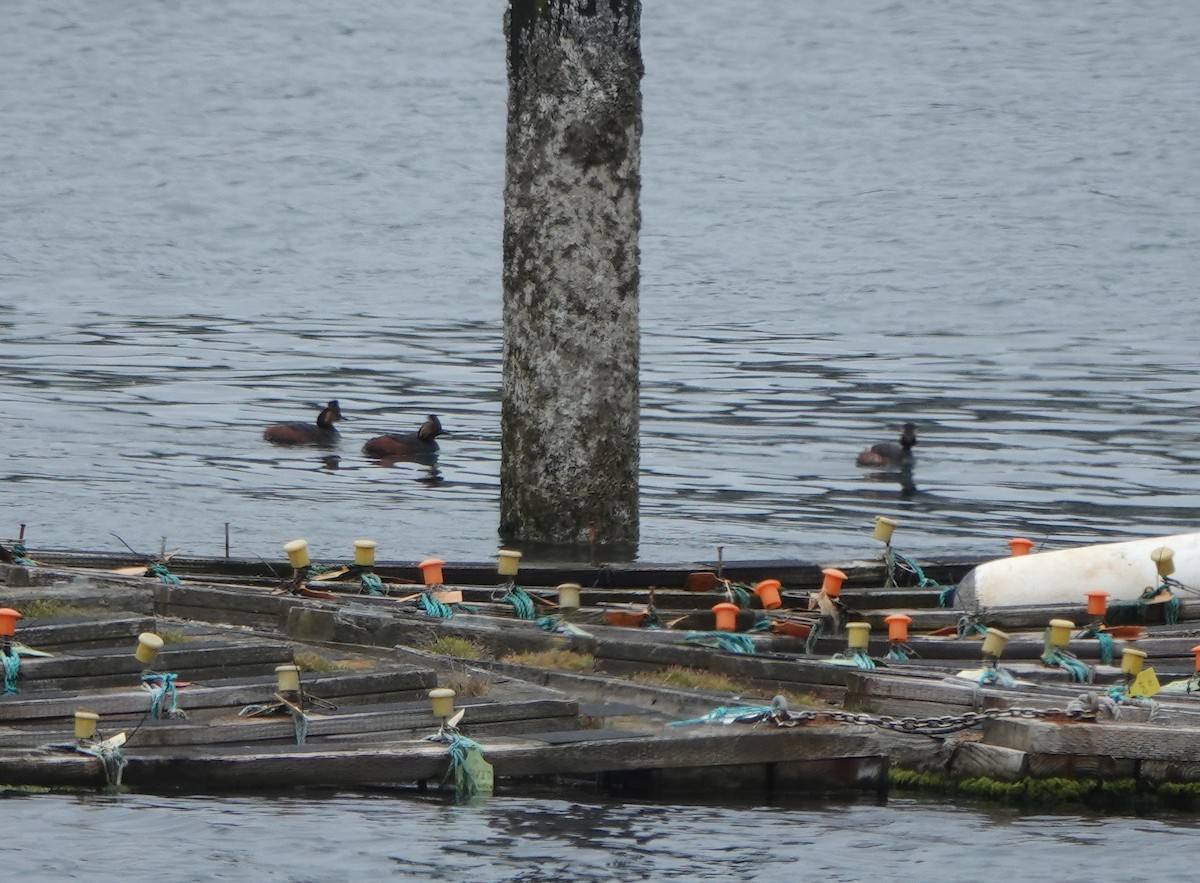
74,631
972,760
387,719
1119,740
404,763
361,687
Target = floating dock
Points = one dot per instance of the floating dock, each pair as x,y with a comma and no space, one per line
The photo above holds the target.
811,712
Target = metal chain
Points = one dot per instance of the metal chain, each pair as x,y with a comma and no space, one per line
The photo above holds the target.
923,726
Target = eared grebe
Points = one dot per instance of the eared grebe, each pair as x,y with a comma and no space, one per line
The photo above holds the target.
890,453
322,432
423,442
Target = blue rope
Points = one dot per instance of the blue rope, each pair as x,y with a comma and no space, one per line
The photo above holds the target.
946,596
814,631
465,785
1170,608
12,668
727,641
859,657
165,576
111,761
318,569
1056,657
1105,641
1135,611
371,583
723,715
997,676
18,553
897,653
160,686
434,607
300,725
968,627
521,602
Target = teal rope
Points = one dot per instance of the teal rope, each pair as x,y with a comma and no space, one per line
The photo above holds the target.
897,653
1104,639
465,785
1056,657
1171,610
18,553
727,641
742,594
111,761
1135,611
968,627
12,668
760,625
300,726
922,581
434,607
165,576
371,583
810,643
997,676
521,602
161,686
318,569
858,657
723,715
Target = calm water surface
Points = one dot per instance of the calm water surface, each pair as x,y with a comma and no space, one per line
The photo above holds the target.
981,217
552,840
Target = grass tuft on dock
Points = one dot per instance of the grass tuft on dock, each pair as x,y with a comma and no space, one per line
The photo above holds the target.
561,660
449,645
44,608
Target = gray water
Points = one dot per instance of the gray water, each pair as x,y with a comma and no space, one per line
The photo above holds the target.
981,217
551,840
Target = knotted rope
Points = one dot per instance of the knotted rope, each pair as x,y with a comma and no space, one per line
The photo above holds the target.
112,762
521,603
12,669
165,576
465,786
727,641
434,607
1057,657
371,583
995,675
18,555
968,626
859,657
161,686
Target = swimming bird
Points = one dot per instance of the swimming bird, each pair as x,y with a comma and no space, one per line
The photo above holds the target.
397,445
322,432
890,453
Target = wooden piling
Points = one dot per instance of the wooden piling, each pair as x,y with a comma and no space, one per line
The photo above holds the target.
570,411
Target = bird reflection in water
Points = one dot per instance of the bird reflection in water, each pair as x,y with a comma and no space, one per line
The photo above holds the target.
427,471
331,462
902,475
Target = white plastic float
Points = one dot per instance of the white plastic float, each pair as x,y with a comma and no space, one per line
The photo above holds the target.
1124,570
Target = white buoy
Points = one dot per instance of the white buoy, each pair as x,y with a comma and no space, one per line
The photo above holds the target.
1123,569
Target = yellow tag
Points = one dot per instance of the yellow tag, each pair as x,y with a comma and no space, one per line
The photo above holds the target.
480,771
1145,684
